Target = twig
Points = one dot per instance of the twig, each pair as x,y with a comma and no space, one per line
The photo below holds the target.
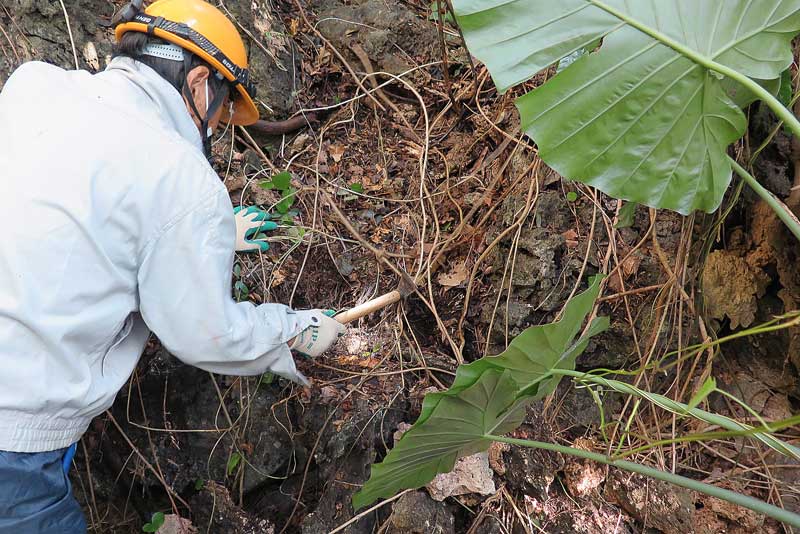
69,31
464,42
629,292
258,149
94,511
379,254
362,56
445,65
533,194
266,50
171,492
362,95
10,42
589,243
314,212
367,511
337,53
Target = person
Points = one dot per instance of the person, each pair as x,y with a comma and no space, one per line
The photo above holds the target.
115,225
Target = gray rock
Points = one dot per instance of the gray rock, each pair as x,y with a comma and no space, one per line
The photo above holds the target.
578,410
666,507
343,461
528,470
416,513
387,30
192,403
272,61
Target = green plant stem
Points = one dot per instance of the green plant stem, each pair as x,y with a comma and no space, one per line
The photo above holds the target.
736,498
707,436
682,409
775,105
628,424
769,326
792,320
600,410
745,407
780,209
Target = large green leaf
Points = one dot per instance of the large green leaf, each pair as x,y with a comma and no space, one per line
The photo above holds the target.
488,396
637,119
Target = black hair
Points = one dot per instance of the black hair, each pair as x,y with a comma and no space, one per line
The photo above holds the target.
133,44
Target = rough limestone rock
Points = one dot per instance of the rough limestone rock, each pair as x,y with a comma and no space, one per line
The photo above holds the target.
732,287
471,474
416,513
663,506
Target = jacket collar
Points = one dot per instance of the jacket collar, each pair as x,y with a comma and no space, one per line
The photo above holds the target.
167,107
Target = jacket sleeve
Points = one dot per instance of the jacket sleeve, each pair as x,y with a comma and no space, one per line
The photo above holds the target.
185,298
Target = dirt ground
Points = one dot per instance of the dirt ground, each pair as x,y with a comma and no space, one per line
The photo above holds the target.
431,171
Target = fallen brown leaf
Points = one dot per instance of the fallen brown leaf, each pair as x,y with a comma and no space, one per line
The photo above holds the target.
336,150
455,276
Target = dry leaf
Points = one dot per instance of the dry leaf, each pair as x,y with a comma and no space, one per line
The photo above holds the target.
412,149
323,57
278,277
300,141
496,461
571,238
582,477
629,267
368,362
174,524
328,394
455,277
378,234
336,151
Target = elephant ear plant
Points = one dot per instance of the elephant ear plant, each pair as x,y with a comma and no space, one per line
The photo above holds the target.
488,398
646,114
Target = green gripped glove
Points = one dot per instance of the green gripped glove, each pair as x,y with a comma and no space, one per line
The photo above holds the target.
250,222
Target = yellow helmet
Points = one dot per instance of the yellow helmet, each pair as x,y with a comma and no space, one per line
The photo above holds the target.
202,29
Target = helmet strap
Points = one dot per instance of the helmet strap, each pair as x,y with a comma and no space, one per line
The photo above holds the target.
211,107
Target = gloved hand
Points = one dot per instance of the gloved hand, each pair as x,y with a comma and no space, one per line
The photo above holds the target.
251,221
319,337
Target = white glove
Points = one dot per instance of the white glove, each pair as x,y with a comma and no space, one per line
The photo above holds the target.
319,337
251,222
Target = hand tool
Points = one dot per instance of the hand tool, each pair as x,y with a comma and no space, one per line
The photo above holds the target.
405,288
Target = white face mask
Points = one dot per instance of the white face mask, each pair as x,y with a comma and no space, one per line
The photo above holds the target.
209,132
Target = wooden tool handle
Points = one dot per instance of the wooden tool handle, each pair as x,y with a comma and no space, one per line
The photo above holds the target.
368,307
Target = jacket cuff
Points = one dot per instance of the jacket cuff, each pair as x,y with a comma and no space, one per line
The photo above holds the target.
305,318
281,323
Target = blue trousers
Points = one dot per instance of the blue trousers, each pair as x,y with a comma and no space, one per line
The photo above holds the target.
36,495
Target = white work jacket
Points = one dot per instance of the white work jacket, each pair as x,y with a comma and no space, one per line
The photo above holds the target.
113,224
